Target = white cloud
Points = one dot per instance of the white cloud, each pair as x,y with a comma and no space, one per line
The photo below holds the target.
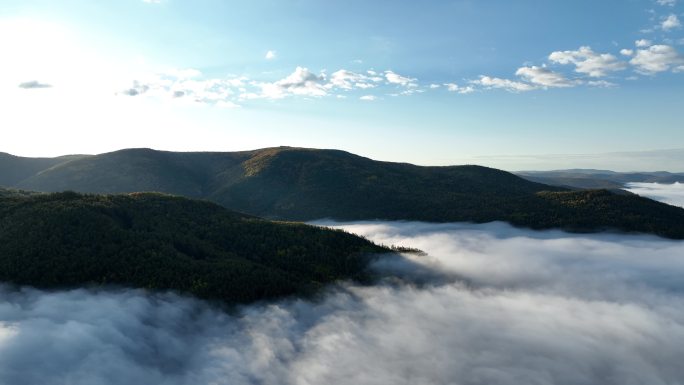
544,77
152,1
434,86
656,58
641,43
186,85
453,87
588,62
369,98
670,22
301,82
672,194
394,78
507,84
670,3
348,80
626,52
270,55
191,85
305,83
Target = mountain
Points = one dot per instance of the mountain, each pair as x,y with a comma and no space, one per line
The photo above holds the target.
307,184
14,169
155,241
593,179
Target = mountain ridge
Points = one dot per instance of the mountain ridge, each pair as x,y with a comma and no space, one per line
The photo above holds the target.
290,183
591,178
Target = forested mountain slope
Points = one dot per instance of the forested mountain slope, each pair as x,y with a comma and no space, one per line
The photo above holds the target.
306,184
157,241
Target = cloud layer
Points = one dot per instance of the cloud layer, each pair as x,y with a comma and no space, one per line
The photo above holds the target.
669,193
489,304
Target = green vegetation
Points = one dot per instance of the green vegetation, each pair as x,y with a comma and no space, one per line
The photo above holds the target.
157,241
592,210
303,184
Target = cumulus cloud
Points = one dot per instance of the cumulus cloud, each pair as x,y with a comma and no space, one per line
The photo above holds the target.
626,52
186,85
136,89
672,194
544,77
504,306
33,84
642,43
301,82
670,22
368,98
306,83
270,55
395,78
656,58
191,85
507,84
670,3
588,62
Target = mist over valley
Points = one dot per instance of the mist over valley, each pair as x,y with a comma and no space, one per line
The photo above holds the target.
487,304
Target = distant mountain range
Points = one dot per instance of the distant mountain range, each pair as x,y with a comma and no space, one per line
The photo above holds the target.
307,184
154,241
599,179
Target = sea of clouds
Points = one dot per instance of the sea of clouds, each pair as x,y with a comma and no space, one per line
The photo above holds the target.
672,194
488,304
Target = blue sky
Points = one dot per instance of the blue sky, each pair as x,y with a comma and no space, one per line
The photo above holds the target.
428,82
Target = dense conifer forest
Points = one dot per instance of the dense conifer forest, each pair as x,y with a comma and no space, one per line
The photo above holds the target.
156,241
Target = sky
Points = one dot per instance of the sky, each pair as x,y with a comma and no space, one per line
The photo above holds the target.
528,84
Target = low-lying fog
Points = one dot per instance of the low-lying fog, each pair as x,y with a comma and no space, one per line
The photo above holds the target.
489,304
669,193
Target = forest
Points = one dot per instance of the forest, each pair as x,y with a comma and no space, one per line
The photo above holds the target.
161,242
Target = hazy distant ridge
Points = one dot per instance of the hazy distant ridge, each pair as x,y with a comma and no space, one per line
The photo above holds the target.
590,178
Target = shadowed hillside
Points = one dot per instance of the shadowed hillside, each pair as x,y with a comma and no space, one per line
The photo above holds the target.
307,184
14,169
156,241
